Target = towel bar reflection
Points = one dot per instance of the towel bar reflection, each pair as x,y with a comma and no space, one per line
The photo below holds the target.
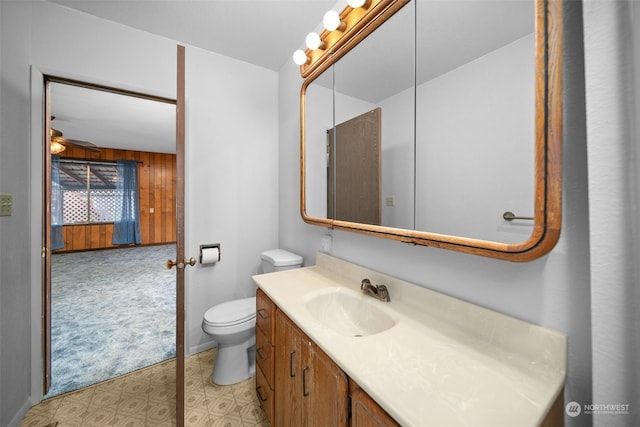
510,216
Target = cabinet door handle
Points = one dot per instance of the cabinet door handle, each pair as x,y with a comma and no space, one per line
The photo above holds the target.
261,312
291,373
305,393
263,399
260,354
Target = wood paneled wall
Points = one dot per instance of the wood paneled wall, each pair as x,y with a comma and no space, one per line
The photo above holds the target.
157,180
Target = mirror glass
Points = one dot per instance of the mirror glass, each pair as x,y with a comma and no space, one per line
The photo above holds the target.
441,101
318,122
475,104
374,126
366,100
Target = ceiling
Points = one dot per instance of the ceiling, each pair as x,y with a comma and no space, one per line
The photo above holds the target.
261,32
112,120
265,33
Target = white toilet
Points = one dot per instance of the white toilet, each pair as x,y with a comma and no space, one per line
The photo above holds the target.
232,325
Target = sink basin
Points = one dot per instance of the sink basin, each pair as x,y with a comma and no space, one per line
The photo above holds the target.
349,313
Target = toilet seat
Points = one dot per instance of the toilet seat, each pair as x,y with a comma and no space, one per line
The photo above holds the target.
231,313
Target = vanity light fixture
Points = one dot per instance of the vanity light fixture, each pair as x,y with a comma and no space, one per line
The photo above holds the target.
299,57
342,32
332,21
358,3
313,41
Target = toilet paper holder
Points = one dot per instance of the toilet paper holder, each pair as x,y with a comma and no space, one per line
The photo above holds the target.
210,246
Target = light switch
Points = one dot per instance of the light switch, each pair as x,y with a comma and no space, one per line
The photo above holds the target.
6,204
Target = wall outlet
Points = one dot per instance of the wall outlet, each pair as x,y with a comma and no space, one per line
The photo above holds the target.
327,242
6,204
390,200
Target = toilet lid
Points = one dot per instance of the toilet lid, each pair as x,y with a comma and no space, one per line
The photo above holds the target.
281,258
231,312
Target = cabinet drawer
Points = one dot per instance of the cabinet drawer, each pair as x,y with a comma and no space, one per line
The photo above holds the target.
265,310
264,355
265,395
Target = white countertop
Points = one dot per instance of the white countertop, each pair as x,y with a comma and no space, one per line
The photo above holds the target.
445,362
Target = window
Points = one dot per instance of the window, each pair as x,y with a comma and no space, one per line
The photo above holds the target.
88,191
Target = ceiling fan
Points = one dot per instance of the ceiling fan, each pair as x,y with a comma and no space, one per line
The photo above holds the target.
59,142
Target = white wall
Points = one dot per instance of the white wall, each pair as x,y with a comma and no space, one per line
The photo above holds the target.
552,291
14,230
231,164
232,179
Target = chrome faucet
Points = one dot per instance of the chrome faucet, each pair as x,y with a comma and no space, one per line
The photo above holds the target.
379,291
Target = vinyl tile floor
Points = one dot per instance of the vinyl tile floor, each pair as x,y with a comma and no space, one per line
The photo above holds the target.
147,398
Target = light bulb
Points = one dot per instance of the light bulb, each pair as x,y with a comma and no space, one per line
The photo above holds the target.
356,3
313,41
299,57
331,20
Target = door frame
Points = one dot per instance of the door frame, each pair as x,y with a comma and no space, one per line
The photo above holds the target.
46,231
41,191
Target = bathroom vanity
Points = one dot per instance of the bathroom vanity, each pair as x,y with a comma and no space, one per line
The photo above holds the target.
329,355
312,389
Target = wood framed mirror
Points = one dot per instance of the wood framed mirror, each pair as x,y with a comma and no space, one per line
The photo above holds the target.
474,150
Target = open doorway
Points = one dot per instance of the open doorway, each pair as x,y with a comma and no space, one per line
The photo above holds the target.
111,305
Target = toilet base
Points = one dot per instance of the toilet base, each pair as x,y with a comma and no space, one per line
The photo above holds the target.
233,364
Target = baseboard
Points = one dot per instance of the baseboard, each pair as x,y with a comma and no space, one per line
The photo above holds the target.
17,419
201,347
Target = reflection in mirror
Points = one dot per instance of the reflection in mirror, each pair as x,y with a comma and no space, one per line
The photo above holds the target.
470,101
475,104
318,121
379,74
372,96
354,181
472,90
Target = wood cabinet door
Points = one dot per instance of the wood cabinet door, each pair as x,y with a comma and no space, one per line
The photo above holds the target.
288,373
325,389
310,389
365,412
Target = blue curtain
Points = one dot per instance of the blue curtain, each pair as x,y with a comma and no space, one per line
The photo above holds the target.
126,227
57,241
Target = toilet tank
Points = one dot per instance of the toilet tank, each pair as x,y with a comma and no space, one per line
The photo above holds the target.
279,260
